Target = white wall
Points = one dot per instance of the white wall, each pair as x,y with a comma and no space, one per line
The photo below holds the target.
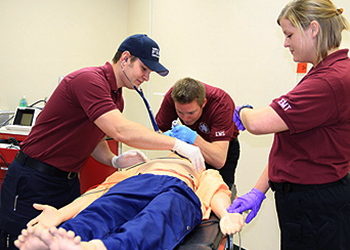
44,39
232,44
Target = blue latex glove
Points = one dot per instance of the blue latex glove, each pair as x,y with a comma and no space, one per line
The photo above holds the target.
249,201
237,119
184,133
168,133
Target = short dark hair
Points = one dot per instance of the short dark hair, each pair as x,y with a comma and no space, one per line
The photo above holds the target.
187,90
118,55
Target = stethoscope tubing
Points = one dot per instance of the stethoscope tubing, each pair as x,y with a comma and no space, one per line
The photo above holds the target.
140,92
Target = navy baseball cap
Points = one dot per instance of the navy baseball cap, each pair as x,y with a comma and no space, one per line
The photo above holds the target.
146,50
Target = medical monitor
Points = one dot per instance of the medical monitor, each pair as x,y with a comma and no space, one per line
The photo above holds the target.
25,116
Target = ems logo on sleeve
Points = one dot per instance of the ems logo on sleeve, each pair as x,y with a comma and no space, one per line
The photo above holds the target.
219,133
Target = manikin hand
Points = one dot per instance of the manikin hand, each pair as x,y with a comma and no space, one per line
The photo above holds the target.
231,223
191,152
249,201
128,159
184,133
49,217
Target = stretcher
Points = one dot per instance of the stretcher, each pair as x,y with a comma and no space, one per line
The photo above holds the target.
208,236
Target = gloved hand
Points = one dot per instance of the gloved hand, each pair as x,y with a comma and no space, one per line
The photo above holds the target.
237,119
128,159
251,200
184,133
169,133
193,153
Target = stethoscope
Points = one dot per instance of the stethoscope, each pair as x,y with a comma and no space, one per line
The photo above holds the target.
140,92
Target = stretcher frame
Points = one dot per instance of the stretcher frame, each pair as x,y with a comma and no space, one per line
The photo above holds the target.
208,236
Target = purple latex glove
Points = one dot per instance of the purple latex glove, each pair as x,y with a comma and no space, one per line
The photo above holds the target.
249,201
184,133
237,118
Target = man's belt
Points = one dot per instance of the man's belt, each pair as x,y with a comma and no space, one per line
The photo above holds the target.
43,167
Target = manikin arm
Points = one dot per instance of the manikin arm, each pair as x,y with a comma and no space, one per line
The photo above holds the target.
230,223
51,216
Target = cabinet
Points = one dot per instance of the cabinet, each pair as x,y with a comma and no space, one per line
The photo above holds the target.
92,173
6,157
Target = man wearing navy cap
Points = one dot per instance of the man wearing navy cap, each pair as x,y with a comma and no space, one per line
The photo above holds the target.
85,107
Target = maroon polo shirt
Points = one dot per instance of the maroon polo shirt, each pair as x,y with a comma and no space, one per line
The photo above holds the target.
215,124
65,134
316,148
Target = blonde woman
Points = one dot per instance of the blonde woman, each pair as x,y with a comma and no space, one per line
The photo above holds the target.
309,161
